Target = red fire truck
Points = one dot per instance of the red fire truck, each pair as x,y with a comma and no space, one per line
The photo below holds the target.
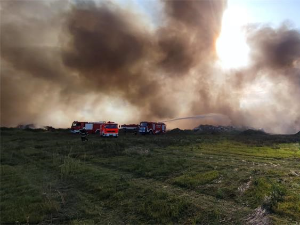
152,128
91,127
109,129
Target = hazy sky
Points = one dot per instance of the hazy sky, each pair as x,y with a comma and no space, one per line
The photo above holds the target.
273,12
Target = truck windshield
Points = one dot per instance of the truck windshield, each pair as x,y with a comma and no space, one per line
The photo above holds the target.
143,124
110,126
75,124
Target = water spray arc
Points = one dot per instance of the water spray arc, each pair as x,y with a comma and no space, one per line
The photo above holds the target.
209,115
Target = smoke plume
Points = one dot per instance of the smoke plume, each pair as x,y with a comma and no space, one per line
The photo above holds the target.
92,61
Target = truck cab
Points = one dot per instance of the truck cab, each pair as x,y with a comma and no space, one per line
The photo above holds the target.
144,128
109,129
77,126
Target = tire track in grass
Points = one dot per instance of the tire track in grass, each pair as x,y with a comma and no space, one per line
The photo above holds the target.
59,190
81,195
163,185
209,201
235,213
200,201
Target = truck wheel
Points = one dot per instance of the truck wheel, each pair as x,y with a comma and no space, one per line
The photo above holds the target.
151,132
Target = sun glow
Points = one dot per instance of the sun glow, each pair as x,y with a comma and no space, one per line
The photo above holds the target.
231,45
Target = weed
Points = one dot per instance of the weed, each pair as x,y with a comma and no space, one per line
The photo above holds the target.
71,166
265,192
288,206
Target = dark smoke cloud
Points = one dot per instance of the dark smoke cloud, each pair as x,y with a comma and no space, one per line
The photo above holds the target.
277,56
189,38
114,50
109,49
197,14
63,62
277,49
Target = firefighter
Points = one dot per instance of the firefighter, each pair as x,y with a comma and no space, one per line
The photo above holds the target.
84,134
135,131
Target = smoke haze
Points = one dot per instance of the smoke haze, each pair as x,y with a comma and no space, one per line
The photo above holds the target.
94,61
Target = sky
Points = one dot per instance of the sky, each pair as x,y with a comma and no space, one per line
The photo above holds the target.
273,12
135,60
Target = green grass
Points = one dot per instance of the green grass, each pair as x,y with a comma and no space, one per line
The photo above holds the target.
192,178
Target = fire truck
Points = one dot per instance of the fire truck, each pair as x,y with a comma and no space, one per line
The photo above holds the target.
91,127
130,128
109,129
152,128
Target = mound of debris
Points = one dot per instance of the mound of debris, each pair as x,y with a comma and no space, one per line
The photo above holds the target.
49,128
26,126
251,132
176,131
215,129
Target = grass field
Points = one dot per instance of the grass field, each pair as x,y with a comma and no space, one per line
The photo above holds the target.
179,177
